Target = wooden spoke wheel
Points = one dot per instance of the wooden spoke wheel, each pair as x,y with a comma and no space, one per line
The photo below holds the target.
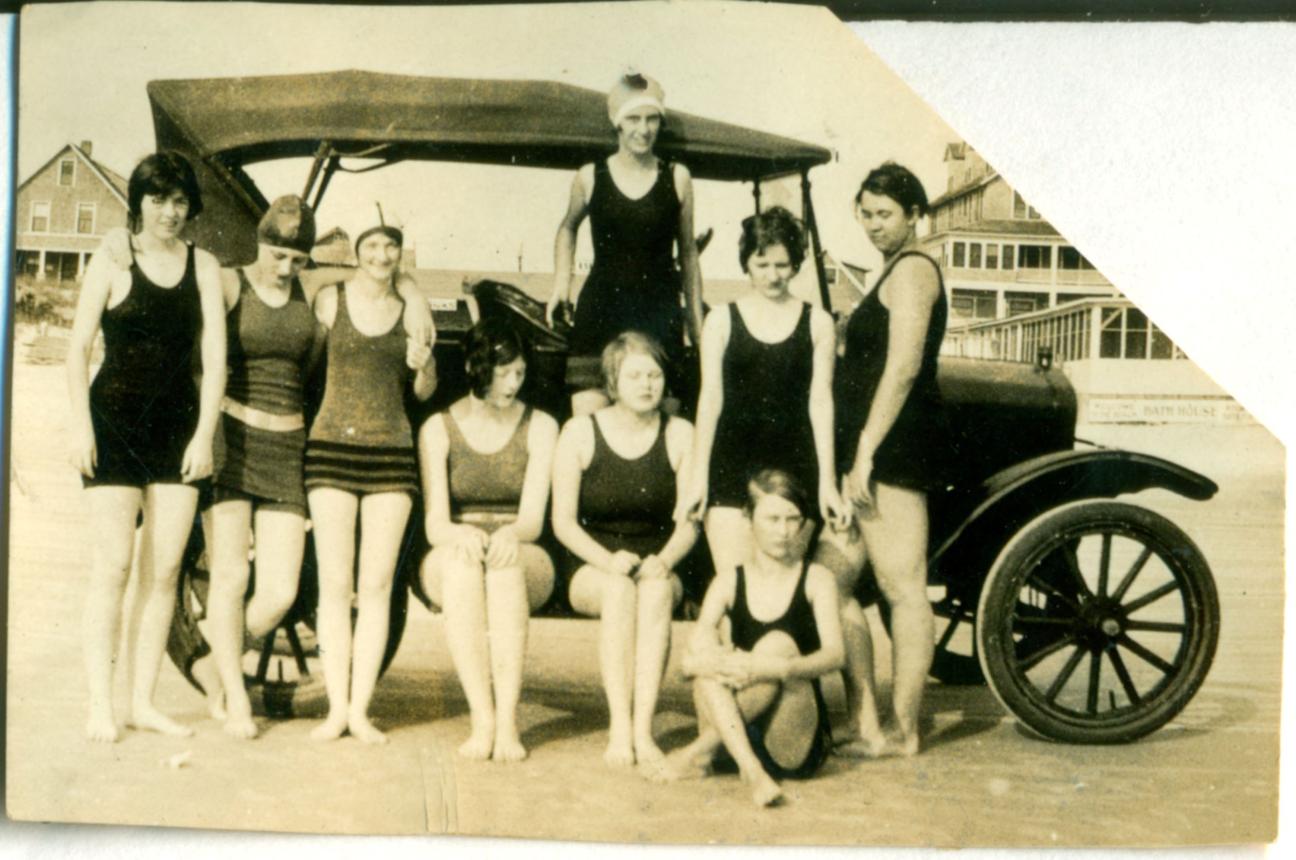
1097,623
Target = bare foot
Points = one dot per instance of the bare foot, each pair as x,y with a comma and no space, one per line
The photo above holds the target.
364,730
508,746
646,751
239,722
765,791
683,764
204,672
100,725
861,746
481,740
903,745
331,729
149,718
619,752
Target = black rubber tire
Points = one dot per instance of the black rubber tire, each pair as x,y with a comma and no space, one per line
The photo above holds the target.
1061,612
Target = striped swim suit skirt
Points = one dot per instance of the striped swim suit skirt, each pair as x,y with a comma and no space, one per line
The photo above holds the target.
360,469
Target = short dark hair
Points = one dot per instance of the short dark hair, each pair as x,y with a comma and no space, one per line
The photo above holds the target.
774,226
619,347
162,173
898,183
776,482
491,343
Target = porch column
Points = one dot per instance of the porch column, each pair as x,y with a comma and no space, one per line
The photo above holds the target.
82,257
40,266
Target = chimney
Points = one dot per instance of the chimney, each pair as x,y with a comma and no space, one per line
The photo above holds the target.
87,147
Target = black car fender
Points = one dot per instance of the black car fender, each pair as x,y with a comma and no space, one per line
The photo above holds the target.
1009,499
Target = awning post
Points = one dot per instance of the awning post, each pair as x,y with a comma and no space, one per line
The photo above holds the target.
807,209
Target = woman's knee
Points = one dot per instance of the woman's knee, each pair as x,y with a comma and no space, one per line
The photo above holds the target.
776,643
231,577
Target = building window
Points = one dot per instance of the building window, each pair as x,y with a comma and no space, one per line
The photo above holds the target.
67,172
1022,210
1109,341
1024,303
40,215
1008,256
960,251
992,256
1070,258
972,304
1063,298
1034,256
1162,346
974,255
86,218
1136,333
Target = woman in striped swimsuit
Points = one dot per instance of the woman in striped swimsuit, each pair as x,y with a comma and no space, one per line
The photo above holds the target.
360,465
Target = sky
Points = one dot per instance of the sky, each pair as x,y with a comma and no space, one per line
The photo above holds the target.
793,71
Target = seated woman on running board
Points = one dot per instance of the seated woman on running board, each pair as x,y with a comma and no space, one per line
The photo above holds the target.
640,207
486,464
615,493
760,700
766,398
360,470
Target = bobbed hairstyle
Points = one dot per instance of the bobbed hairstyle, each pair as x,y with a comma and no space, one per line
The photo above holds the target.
491,343
161,174
614,355
776,482
898,183
774,226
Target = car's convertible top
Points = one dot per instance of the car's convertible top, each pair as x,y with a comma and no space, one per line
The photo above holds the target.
532,123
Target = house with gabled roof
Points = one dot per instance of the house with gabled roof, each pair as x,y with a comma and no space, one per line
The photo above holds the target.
62,212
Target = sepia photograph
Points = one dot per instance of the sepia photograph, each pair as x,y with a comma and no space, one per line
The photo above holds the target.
638,423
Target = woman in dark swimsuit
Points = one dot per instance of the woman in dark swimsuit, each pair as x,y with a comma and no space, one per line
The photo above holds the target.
639,207
760,698
766,399
142,432
893,445
615,490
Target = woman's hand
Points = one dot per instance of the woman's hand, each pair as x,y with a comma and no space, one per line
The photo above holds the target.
502,549
624,563
652,567
857,487
197,461
834,511
470,543
84,453
557,303
418,355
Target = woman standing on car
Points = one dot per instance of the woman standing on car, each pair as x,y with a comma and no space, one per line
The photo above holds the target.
360,469
766,398
142,432
758,696
615,493
893,446
487,463
639,207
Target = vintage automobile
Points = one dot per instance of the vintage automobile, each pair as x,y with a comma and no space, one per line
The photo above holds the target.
1037,569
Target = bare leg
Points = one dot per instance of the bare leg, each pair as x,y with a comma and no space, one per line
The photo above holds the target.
463,602
382,524
508,615
694,760
612,598
722,708
728,535
113,511
652,648
897,541
168,519
280,546
843,553
333,513
228,558
204,669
